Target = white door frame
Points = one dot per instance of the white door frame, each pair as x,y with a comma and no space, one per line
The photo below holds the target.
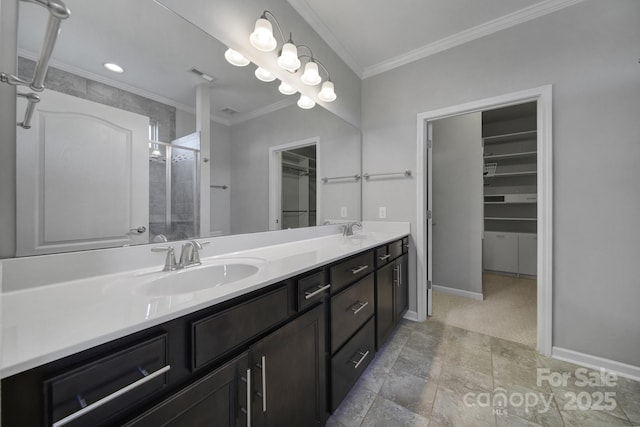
275,179
543,96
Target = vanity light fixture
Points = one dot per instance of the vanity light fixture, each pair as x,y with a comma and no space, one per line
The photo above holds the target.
113,67
262,36
305,102
264,75
235,58
311,76
286,89
288,58
327,93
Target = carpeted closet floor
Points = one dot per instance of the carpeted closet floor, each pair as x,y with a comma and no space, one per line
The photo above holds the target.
508,310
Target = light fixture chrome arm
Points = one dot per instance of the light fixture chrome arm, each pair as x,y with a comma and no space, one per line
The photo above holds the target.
314,59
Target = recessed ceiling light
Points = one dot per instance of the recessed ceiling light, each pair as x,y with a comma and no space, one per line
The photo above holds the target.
113,67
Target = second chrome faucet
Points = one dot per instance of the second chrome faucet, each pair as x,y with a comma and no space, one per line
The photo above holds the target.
189,256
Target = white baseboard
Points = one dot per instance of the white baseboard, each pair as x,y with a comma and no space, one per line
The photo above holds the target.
595,362
411,315
461,293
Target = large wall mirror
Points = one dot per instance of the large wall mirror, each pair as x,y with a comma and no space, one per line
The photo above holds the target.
116,159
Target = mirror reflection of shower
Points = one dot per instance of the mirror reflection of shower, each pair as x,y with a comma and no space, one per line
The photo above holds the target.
174,188
299,187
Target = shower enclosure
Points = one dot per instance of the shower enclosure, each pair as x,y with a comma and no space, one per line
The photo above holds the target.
174,189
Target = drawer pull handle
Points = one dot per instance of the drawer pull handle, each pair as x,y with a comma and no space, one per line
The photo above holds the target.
247,411
263,367
360,305
382,258
320,289
110,397
363,356
359,269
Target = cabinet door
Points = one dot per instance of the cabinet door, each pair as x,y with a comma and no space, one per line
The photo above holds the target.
217,399
401,287
500,252
385,278
528,254
289,374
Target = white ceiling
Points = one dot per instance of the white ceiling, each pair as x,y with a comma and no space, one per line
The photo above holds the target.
374,36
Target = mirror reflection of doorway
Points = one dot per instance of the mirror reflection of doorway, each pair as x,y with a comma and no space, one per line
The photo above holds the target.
298,192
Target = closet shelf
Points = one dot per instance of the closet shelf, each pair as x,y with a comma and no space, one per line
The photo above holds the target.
509,137
510,155
497,218
507,174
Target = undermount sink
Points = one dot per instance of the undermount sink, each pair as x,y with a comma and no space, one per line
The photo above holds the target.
198,278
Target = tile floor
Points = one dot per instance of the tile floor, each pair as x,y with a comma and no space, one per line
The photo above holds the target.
432,374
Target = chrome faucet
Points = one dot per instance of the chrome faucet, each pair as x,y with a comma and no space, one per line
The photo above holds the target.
170,263
189,256
347,229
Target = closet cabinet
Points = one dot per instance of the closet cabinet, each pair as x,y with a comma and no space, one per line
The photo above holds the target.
514,253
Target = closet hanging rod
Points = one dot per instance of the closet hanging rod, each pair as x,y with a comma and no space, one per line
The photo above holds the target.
406,173
32,100
57,12
224,187
327,179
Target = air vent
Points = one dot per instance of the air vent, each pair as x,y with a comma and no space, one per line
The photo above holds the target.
202,75
228,110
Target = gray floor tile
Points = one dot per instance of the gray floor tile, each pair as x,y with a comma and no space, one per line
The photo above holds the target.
385,413
630,404
592,419
411,392
509,420
355,406
450,409
418,363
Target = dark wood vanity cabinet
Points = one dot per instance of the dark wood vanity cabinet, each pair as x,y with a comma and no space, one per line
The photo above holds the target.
288,371
287,354
392,294
217,399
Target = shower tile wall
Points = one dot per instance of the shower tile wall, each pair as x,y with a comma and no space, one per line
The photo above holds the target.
91,90
157,196
184,211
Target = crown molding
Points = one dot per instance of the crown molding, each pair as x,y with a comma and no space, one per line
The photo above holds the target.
523,15
312,18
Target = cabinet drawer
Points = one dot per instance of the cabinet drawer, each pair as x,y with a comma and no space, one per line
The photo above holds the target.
382,256
93,393
351,270
350,310
311,289
220,333
395,249
349,363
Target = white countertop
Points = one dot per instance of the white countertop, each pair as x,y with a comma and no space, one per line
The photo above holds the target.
46,323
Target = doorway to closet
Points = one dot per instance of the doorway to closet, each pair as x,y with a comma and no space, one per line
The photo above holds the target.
484,222
500,187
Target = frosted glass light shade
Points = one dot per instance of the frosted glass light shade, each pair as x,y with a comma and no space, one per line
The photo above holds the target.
288,58
305,102
264,75
327,92
262,36
311,76
235,58
286,89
